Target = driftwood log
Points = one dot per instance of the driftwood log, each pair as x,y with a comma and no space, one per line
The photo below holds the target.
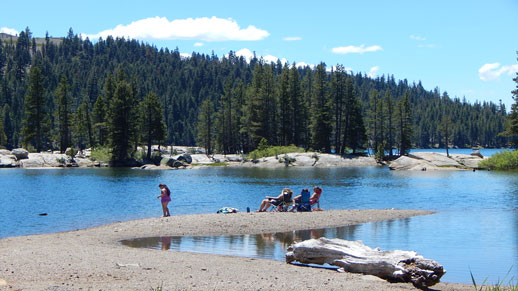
355,257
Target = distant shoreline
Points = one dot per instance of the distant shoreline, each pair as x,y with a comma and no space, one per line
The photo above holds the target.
417,160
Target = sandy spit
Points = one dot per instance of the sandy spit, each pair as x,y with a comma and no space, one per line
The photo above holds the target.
93,259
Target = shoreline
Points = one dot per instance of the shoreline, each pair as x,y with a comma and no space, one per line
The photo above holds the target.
93,258
418,161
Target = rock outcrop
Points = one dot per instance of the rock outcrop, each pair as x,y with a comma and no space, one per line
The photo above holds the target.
425,161
20,153
309,159
7,160
47,160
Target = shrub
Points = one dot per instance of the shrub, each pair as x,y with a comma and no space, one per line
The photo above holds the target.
287,160
506,160
102,154
274,151
139,155
71,152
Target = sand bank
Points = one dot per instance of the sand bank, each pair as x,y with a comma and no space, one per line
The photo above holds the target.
93,259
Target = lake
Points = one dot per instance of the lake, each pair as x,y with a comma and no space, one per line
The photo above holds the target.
475,228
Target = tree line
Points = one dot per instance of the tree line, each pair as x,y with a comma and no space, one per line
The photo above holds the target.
122,93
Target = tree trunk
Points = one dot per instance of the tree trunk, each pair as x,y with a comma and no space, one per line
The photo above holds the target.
355,257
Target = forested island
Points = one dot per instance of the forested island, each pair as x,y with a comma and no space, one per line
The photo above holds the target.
116,93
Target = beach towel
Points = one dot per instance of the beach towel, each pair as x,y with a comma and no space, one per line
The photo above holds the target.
225,210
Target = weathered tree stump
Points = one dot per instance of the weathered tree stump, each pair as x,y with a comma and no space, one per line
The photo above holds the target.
355,257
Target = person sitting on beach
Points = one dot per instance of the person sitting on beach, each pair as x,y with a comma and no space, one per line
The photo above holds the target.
269,200
317,192
165,198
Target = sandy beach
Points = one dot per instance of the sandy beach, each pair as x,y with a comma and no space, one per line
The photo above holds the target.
93,259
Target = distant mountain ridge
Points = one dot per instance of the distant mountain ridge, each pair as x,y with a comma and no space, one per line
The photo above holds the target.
5,37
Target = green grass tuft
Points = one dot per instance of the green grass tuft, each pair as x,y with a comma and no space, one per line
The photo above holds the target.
499,286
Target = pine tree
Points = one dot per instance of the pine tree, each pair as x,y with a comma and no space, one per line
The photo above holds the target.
512,128
225,127
446,128
389,114
338,96
7,120
121,121
405,125
261,106
373,119
358,136
3,136
99,120
152,121
270,105
100,111
299,107
354,135
321,114
36,123
238,103
285,108
254,114
82,125
63,114
2,64
206,126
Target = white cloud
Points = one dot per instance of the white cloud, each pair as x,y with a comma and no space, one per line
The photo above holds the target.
248,55
373,72
303,65
417,37
204,29
185,55
245,53
198,44
356,49
493,71
273,59
8,30
292,38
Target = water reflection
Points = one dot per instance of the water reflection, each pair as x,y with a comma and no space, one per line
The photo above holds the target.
264,245
404,234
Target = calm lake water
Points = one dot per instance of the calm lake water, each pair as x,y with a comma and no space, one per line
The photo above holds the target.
475,228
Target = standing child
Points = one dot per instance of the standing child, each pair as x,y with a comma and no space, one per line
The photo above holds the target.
165,198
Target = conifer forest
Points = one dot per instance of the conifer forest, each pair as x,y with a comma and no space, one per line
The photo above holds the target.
57,93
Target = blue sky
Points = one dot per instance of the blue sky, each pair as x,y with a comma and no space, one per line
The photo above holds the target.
465,47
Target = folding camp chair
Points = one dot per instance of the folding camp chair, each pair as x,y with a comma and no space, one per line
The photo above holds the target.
315,206
303,204
284,203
